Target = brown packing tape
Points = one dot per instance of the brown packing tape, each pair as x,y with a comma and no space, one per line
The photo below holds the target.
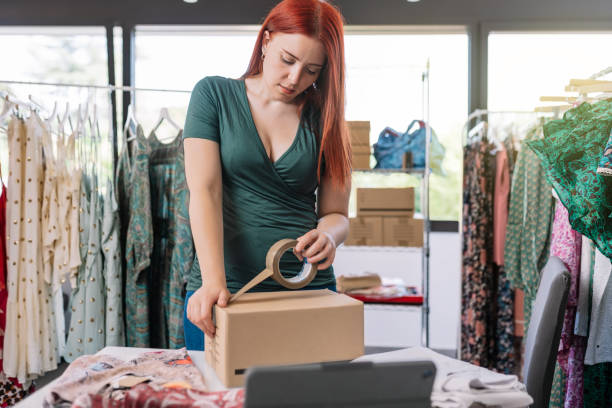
272,270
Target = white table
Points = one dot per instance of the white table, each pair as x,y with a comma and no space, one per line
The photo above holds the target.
214,384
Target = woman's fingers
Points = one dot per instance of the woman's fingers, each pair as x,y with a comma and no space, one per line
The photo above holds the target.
304,242
317,246
206,310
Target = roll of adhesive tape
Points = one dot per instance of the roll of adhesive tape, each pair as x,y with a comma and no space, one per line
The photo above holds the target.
273,271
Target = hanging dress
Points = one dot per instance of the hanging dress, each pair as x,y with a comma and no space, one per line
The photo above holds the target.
566,244
114,333
477,262
530,218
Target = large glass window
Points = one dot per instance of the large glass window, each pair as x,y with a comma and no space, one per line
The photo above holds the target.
524,66
74,55
383,86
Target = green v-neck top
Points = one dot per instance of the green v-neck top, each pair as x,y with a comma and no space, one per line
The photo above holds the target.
263,201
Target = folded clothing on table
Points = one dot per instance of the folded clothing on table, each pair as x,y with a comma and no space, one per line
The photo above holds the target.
461,385
155,396
110,377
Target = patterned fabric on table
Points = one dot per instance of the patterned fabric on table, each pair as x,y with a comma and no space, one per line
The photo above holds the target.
566,244
529,223
110,377
153,396
570,151
605,164
477,251
598,385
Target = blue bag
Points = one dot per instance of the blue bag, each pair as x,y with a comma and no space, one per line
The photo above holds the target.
392,145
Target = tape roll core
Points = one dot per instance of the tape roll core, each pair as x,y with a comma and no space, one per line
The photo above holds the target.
273,258
272,270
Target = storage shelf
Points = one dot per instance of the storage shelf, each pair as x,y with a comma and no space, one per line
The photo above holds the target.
364,248
419,172
389,306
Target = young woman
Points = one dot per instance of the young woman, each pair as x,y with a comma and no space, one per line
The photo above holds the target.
267,157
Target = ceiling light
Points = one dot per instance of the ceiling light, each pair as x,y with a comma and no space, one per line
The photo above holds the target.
413,1
190,1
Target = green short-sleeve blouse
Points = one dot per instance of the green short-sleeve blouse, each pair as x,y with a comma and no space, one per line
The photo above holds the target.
263,201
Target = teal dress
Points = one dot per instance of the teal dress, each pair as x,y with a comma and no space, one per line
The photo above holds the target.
263,201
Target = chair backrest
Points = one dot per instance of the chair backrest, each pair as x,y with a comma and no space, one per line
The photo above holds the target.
544,331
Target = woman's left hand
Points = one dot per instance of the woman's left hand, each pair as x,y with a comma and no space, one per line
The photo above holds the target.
316,246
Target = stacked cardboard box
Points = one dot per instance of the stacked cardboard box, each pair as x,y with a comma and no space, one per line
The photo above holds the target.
385,218
360,142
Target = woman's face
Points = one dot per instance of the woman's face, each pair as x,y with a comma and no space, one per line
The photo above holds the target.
292,63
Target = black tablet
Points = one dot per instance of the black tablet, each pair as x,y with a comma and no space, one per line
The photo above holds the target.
341,384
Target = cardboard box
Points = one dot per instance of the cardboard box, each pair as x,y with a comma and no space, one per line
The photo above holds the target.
386,202
403,231
280,328
359,132
365,231
361,149
361,161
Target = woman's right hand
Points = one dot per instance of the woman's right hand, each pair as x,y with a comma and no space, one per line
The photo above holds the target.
201,303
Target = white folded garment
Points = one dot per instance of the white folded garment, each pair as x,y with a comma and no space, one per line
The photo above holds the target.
512,399
461,385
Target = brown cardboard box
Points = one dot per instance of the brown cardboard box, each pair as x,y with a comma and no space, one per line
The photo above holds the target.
361,149
402,231
280,328
359,132
365,231
391,202
361,161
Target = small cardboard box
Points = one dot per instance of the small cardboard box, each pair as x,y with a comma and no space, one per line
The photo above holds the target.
361,161
402,231
359,132
365,231
361,149
386,202
280,328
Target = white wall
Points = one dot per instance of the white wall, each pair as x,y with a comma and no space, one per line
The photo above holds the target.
393,326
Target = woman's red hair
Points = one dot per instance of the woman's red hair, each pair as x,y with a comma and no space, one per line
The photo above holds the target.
317,19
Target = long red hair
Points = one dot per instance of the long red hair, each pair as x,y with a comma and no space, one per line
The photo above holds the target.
317,19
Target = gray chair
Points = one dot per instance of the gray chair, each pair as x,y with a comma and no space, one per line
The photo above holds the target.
544,331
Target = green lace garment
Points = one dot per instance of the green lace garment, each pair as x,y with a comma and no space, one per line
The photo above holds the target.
570,152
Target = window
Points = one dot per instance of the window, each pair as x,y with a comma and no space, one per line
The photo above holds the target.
76,55
384,85
525,66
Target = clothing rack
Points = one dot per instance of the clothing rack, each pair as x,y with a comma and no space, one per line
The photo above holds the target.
110,88
601,73
106,87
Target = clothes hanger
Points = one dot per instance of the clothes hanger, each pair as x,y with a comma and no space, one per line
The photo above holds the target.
6,109
131,125
165,115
